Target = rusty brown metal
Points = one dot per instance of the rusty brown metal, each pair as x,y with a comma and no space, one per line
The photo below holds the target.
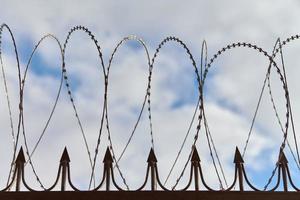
64,162
20,161
152,164
150,195
107,167
195,166
238,161
283,167
196,174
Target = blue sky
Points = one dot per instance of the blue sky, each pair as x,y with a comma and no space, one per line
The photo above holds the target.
231,90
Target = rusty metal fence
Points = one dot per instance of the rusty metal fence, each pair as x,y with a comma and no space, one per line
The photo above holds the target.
196,180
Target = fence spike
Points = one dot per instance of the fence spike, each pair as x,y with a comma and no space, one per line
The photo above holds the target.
64,161
283,163
152,157
152,163
195,166
238,161
65,156
108,157
20,158
20,161
282,159
108,160
195,156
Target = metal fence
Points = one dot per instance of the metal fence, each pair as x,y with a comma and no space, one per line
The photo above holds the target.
196,180
196,186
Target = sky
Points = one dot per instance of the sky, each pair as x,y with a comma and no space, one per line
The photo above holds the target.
231,91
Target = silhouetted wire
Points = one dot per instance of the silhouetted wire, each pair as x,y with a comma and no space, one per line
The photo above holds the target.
15,141
210,140
210,151
276,112
290,106
145,98
198,104
30,154
183,143
281,126
278,119
208,133
117,160
272,63
92,37
255,114
204,49
199,87
252,123
58,92
275,51
191,122
7,93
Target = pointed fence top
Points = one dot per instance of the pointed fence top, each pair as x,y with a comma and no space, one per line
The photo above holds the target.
20,157
238,159
108,158
151,157
195,156
65,156
281,158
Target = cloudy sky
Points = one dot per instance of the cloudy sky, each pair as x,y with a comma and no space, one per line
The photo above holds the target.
232,87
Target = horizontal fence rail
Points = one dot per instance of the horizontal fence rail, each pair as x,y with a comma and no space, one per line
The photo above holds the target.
188,195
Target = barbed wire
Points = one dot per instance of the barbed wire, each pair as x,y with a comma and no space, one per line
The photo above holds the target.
117,160
104,115
68,86
14,138
272,63
27,151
